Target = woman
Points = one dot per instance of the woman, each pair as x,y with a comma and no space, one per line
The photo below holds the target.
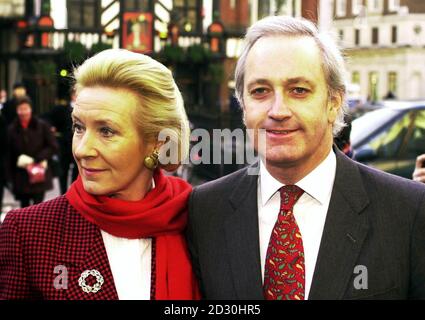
118,232
30,142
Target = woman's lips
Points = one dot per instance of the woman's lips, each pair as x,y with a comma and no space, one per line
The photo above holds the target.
90,172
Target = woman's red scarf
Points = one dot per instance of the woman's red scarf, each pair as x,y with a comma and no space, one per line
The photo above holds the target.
161,214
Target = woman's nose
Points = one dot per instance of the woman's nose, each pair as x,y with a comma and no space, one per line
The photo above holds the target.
84,145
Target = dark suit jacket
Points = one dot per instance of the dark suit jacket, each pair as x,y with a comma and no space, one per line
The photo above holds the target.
374,220
37,242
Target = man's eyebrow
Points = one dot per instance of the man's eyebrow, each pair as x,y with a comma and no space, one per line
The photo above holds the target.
298,80
286,81
257,81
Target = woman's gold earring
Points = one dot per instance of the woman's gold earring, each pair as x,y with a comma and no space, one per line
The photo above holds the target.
151,162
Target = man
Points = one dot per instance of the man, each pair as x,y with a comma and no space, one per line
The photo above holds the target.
3,152
419,173
60,119
9,107
312,224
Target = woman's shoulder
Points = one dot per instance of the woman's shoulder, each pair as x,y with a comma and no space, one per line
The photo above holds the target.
41,217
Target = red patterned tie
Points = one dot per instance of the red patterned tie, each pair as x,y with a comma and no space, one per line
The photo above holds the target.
284,276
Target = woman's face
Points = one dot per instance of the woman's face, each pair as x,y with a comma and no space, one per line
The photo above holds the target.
24,111
107,144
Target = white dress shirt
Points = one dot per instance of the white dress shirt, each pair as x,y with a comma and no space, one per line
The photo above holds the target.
309,211
130,262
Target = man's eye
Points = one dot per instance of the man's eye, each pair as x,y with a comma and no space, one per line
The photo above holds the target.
300,90
258,91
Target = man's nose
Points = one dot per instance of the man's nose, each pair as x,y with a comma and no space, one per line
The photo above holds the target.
280,108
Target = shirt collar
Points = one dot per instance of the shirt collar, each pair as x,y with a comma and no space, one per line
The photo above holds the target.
318,183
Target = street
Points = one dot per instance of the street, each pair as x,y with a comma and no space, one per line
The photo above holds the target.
10,203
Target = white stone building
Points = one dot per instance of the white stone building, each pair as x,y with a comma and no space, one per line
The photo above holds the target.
384,41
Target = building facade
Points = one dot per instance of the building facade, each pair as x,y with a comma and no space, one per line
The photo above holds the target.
384,41
200,40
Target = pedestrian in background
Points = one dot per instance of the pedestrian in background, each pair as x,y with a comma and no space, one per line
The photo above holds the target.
3,98
60,119
419,173
3,152
9,107
30,142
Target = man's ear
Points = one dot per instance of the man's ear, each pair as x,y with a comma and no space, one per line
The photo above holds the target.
334,104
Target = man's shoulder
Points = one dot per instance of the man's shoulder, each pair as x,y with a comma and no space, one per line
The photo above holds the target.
225,184
380,181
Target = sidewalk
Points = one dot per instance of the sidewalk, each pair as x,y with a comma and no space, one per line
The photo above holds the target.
9,202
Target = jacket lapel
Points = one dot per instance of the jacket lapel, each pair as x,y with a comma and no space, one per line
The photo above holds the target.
241,232
84,250
343,235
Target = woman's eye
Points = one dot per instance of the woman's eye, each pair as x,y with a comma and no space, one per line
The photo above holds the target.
106,131
77,128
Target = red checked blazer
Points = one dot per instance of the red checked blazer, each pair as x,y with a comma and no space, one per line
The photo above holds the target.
36,240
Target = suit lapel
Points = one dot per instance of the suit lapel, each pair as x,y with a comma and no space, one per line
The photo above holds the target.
84,250
241,232
343,235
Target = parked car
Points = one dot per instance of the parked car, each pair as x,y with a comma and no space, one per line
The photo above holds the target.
391,137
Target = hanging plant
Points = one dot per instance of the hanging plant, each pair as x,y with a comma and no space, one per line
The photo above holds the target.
75,51
100,46
173,54
197,54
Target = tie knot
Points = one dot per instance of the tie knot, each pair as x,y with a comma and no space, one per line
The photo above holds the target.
289,195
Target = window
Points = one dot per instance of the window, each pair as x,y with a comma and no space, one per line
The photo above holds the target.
263,9
357,37
356,6
187,14
355,77
136,5
375,35
374,6
341,8
12,8
393,5
83,13
341,35
373,86
392,83
394,34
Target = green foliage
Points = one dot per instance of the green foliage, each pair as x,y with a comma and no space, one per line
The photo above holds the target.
173,54
75,51
43,68
197,54
100,46
216,72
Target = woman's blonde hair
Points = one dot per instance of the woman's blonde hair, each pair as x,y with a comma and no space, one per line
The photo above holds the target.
161,104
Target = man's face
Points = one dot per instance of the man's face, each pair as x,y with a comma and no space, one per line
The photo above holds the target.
285,93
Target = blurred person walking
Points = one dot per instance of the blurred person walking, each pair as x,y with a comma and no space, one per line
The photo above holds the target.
3,152
3,98
419,173
30,143
9,107
60,119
